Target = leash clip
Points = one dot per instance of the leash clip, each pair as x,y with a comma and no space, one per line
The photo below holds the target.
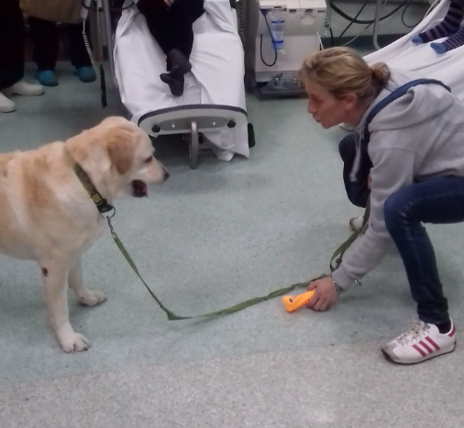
107,211
103,206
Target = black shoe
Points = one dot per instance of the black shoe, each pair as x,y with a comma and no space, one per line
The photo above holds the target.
176,84
179,64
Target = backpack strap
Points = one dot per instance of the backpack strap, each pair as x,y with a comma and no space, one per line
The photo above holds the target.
397,93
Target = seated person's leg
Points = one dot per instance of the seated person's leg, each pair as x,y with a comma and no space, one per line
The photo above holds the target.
79,56
178,63
449,27
12,56
182,14
172,29
44,35
156,15
188,10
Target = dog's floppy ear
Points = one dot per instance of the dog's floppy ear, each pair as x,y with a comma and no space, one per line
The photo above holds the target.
121,149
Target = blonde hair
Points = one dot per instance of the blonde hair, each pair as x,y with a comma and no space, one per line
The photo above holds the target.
342,70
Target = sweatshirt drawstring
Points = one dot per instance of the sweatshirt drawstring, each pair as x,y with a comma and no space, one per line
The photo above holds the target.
357,159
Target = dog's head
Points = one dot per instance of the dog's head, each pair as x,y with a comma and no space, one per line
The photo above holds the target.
119,156
131,157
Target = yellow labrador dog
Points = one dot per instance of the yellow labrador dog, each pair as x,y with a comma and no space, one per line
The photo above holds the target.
52,200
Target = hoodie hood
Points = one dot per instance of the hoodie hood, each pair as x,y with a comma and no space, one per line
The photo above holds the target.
419,104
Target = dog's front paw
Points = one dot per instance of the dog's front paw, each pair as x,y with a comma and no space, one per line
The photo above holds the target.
91,298
71,341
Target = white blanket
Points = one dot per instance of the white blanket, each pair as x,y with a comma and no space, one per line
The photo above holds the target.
405,55
217,76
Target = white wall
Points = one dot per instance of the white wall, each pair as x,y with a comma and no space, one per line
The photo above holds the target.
391,25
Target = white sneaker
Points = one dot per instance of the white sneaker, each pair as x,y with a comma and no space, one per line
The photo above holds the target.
356,223
6,105
420,343
24,89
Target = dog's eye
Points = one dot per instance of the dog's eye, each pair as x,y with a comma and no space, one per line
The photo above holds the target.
148,160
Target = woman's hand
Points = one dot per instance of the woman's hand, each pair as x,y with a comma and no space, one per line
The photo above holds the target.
325,294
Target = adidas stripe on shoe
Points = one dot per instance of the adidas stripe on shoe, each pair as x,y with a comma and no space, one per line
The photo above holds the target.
420,343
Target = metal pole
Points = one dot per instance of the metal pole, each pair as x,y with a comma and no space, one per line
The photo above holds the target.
194,145
109,38
375,34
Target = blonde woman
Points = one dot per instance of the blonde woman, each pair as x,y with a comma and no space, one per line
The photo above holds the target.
408,163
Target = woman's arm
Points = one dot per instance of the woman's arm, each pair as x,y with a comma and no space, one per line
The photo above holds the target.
393,168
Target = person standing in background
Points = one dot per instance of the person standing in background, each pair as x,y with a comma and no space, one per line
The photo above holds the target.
45,39
12,57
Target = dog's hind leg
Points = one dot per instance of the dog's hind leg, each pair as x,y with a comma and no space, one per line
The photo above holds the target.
83,295
55,285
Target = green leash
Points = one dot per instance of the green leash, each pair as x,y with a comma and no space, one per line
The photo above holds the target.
108,211
337,258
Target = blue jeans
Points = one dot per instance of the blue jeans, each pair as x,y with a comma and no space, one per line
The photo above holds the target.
434,201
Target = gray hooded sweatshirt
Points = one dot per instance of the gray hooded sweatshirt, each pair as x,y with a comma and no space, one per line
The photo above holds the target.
418,136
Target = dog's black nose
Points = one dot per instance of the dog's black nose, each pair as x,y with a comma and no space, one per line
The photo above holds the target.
166,174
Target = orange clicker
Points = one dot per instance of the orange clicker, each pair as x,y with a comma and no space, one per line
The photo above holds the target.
292,303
